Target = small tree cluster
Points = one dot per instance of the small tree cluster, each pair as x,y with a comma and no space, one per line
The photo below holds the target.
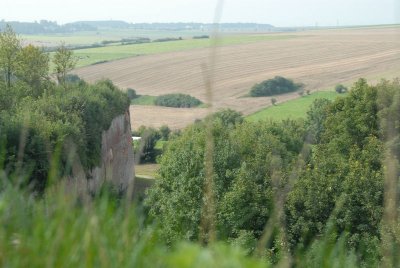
177,101
277,85
146,147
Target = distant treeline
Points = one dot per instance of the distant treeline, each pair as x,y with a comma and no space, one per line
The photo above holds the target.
46,27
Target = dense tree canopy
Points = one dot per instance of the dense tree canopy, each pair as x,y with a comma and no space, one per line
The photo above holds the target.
338,183
41,122
247,159
177,101
277,85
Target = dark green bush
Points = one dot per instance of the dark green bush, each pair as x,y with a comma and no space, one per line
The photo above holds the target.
131,93
177,101
340,89
275,86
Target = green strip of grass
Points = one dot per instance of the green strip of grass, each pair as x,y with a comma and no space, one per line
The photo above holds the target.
144,100
293,109
94,55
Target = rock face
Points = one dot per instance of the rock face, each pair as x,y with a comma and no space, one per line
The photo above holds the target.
117,160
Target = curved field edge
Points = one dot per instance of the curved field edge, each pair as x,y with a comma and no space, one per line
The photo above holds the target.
109,53
292,109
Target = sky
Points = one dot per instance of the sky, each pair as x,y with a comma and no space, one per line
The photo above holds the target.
276,12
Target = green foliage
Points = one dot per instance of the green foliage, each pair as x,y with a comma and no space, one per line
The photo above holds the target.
70,121
9,49
277,85
165,131
33,67
146,150
228,117
247,157
177,101
343,182
64,61
151,144
63,230
315,120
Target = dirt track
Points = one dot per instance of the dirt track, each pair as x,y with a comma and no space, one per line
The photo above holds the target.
319,59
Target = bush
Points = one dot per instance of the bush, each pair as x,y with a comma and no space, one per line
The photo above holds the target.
201,37
131,93
167,39
177,101
340,89
275,86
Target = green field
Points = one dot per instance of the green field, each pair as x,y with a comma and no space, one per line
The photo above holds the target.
91,37
144,100
291,109
95,55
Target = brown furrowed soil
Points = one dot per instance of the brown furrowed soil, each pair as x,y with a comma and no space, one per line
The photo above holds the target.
319,59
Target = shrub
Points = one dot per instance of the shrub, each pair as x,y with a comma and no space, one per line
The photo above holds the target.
340,89
275,86
177,101
131,93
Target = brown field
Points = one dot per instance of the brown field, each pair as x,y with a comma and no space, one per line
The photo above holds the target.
319,59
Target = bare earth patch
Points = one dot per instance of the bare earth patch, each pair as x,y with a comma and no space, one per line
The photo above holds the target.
319,59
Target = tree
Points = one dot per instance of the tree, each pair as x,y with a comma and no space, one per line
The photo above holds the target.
33,67
315,120
342,186
64,62
9,48
251,162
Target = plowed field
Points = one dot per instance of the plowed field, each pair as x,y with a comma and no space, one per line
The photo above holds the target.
319,59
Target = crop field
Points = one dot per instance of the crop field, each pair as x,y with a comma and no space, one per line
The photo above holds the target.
319,59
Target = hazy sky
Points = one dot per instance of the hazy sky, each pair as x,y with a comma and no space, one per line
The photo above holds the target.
276,12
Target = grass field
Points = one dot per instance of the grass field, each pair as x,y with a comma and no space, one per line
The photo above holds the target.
94,55
144,100
91,37
146,170
293,109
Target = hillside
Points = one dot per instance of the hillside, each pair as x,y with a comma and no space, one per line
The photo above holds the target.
319,59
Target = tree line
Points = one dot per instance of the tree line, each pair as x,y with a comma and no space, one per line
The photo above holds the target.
46,121
301,182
